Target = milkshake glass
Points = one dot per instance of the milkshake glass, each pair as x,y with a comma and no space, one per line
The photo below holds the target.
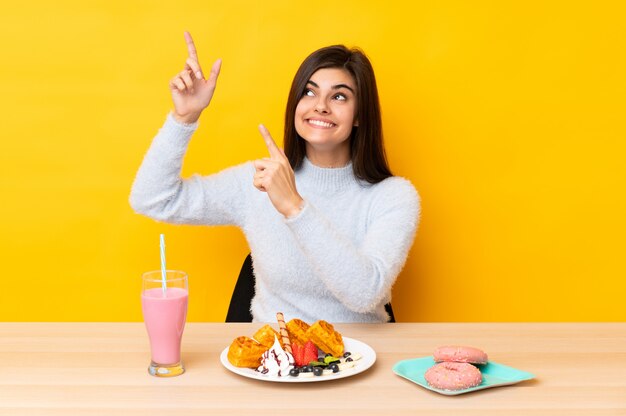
164,313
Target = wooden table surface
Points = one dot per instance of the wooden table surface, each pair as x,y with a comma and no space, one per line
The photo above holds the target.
101,369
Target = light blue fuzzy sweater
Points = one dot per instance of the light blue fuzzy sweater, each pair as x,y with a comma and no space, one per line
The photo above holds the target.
336,260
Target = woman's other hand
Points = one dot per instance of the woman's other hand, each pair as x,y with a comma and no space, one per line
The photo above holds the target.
192,93
275,176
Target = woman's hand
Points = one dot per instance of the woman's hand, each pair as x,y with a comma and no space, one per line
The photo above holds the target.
275,176
191,93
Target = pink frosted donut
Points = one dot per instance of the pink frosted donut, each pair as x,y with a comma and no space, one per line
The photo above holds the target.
460,354
453,376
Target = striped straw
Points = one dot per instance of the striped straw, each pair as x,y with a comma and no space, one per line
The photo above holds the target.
163,274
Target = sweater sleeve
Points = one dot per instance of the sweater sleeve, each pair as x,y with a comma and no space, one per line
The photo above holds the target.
361,275
159,191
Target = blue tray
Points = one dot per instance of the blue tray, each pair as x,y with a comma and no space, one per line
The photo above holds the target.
494,375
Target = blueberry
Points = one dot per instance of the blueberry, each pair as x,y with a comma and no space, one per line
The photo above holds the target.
334,367
349,359
347,354
294,372
306,369
317,371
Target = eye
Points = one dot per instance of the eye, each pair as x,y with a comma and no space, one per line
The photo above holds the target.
308,92
340,97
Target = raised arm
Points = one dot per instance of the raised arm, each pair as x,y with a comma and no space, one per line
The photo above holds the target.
159,191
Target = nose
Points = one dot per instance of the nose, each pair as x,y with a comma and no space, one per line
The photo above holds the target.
321,107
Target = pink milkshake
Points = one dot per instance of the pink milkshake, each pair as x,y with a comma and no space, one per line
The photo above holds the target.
164,314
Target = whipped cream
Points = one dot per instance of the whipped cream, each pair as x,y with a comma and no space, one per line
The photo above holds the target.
276,361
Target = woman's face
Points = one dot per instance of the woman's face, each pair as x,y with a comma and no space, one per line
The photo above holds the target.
326,112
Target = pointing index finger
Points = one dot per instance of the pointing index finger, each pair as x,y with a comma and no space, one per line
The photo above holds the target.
275,152
192,61
191,47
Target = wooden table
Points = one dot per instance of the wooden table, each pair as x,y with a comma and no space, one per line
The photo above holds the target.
100,369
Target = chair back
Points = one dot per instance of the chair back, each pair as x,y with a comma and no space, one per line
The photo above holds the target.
241,300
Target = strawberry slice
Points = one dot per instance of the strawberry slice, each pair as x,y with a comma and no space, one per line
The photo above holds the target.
310,352
298,354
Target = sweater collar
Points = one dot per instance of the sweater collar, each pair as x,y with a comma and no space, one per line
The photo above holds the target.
326,179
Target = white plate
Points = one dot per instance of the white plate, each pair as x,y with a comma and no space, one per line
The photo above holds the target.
368,359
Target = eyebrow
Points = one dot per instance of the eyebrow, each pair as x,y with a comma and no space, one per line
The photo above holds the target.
335,87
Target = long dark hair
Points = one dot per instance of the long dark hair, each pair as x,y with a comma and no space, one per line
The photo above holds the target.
367,152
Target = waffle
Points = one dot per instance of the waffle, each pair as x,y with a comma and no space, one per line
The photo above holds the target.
297,331
326,338
265,336
245,352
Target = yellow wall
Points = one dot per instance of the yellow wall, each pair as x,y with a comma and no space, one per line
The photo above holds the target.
508,118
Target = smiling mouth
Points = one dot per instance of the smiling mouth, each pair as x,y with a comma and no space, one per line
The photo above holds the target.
320,123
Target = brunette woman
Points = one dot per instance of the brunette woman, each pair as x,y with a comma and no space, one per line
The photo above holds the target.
329,227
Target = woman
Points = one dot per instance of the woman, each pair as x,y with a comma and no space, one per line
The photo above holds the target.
328,226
